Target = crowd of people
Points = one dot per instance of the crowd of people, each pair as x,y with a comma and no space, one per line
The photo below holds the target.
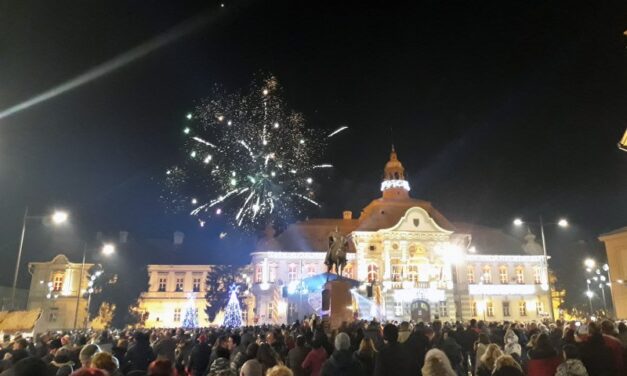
305,349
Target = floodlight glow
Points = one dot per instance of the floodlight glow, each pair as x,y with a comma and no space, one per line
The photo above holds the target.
562,223
589,263
59,217
108,249
518,222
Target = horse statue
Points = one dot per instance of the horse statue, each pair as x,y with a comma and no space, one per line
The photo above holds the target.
336,253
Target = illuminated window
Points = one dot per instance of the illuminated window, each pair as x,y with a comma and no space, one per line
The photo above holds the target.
52,317
162,283
292,275
412,273
272,276
505,309
443,309
291,309
311,270
398,308
471,274
520,275
489,308
503,274
539,307
196,284
537,275
397,273
522,308
270,310
487,274
179,284
57,282
473,309
373,272
177,314
258,273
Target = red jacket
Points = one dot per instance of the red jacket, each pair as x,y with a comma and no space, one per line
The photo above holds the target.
543,367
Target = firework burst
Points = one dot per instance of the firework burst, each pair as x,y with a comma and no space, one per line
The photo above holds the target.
249,158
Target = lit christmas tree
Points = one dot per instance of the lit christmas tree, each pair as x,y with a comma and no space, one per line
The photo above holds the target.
190,321
233,312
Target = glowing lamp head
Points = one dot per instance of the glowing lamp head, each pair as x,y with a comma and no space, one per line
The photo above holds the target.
606,267
59,217
589,263
562,223
265,92
309,180
108,249
186,130
518,222
189,116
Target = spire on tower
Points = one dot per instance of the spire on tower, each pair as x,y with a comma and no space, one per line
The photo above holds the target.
394,183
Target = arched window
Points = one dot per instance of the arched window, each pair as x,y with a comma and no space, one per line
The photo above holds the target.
503,274
292,274
520,274
487,274
471,274
373,272
311,270
57,281
258,273
537,275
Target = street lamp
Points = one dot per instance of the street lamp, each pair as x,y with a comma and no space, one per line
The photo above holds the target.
589,263
58,217
107,250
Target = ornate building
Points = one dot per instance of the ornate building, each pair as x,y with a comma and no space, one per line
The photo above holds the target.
409,262
616,249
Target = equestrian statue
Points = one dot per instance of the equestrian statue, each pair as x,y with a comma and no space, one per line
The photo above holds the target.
336,253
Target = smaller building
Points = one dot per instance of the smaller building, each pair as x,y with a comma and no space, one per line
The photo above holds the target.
54,289
616,249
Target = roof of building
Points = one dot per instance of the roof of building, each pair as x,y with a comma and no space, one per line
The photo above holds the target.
494,241
384,213
614,232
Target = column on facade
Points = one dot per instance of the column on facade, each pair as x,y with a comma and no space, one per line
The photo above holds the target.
188,281
404,260
170,282
386,259
361,267
265,272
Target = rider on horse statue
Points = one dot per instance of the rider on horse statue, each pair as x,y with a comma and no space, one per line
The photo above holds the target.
336,254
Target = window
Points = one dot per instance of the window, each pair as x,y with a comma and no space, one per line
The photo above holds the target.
473,309
412,273
179,284
177,314
291,309
272,276
503,275
505,309
373,272
489,308
270,310
291,272
196,284
520,275
162,282
258,273
471,274
398,308
537,275
52,316
539,308
57,282
487,274
311,270
372,248
397,274
245,316
522,308
443,309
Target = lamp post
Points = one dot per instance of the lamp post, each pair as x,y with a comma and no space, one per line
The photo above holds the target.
58,217
546,285
598,276
107,250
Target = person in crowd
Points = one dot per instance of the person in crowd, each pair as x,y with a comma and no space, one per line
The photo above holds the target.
416,348
119,350
199,357
161,367
392,355
437,364
341,361
543,359
220,343
165,347
404,332
512,347
488,359
595,355
572,365
297,355
452,350
86,354
622,333
610,337
30,366
466,339
279,371
480,348
267,357
366,355
506,365
105,361
140,354
251,367
238,355
89,372
315,358
221,366
276,341
61,365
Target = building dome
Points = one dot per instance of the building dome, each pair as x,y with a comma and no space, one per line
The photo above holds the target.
394,184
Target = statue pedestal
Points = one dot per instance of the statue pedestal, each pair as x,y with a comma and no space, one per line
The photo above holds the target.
337,303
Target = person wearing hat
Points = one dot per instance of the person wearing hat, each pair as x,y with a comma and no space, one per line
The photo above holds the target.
61,365
341,361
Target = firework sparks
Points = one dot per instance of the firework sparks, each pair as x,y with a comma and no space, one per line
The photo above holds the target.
250,158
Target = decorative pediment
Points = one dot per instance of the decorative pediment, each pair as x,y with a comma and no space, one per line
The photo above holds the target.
416,219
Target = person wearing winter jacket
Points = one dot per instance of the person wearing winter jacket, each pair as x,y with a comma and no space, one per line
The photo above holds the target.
341,362
221,366
61,365
199,357
506,365
437,364
571,366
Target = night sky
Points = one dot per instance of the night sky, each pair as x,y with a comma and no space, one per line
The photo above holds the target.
497,109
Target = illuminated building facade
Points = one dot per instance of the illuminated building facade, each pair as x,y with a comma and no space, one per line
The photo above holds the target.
410,263
616,249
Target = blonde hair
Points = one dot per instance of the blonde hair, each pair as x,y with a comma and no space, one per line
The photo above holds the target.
104,360
437,364
367,345
489,356
506,360
279,371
